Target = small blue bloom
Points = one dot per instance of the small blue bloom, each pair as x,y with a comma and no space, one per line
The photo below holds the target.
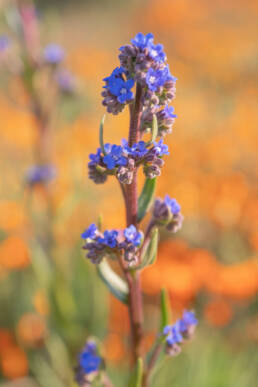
110,238
138,149
90,232
142,41
187,320
40,174
132,235
66,81
116,73
173,334
169,112
154,79
114,156
160,148
53,53
4,43
172,204
95,157
156,52
89,361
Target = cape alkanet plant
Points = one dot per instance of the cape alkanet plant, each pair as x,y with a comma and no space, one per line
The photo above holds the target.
144,83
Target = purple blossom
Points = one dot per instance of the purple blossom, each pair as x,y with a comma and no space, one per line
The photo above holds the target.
160,148
109,239
40,174
172,204
53,53
169,112
4,43
142,41
132,235
90,232
156,52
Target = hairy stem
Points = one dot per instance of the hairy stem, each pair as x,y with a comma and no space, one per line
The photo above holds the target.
133,278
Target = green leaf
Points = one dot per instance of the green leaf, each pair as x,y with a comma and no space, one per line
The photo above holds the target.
150,254
146,197
136,378
165,308
154,131
100,222
101,129
115,284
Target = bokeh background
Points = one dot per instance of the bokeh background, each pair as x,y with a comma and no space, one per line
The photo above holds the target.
51,301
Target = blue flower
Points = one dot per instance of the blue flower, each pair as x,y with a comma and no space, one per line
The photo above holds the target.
187,321
132,235
40,174
154,79
66,81
169,112
172,204
53,53
89,361
160,148
110,238
114,156
156,52
95,157
121,89
142,41
173,333
90,232
4,42
116,73
138,149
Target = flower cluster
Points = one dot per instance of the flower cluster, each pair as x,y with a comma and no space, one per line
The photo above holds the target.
111,242
40,174
117,91
121,160
144,63
165,120
167,213
89,364
175,334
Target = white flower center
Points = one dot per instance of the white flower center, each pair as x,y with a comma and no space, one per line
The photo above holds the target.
123,91
154,53
152,79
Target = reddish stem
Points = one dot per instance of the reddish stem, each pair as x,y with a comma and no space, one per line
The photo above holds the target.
133,278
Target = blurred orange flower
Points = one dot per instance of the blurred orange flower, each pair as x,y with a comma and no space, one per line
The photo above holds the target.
31,330
14,363
218,312
14,253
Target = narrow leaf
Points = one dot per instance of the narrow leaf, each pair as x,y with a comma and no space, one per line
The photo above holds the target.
165,308
100,222
150,254
146,198
154,131
115,284
136,378
101,129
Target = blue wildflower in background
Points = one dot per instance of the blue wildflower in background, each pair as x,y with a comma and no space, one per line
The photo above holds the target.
66,81
89,363
53,53
175,334
4,42
40,174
